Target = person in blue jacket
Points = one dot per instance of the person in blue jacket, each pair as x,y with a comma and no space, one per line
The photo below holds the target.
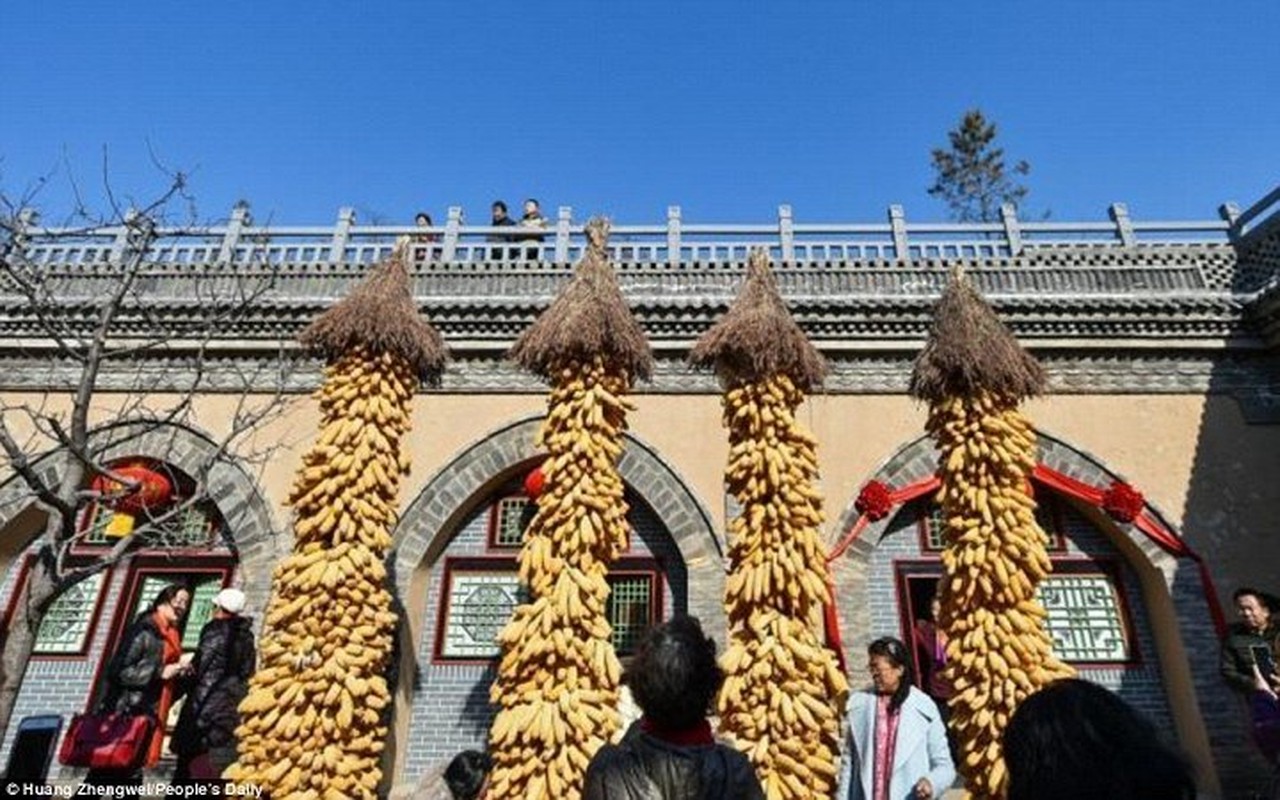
895,742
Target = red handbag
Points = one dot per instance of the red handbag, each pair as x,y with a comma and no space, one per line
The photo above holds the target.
107,741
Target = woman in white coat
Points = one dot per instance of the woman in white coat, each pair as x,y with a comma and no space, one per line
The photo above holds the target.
895,744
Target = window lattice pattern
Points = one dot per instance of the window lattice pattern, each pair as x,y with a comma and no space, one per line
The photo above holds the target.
512,520
479,604
201,611
97,531
188,529
935,538
66,624
629,610
1084,618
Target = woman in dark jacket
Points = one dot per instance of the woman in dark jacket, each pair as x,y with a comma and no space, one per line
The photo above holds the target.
670,752
204,739
141,675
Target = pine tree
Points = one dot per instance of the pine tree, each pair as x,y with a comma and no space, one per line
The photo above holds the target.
971,176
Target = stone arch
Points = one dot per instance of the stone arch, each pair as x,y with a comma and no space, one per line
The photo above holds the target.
235,492
456,490
451,494
1175,601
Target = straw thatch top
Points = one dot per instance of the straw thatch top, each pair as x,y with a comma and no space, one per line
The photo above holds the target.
970,350
588,318
380,314
757,337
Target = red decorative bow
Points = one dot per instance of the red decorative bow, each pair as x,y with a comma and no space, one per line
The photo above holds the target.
1123,502
875,501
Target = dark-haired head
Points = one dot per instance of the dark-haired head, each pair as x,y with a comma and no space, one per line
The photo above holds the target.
890,668
466,774
497,206
1255,607
172,601
1075,739
673,674
423,219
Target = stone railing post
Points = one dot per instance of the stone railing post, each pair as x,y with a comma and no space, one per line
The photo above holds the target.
1119,214
123,234
341,235
673,236
898,225
787,234
1012,232
449,250
231,239
1230,213
564,218
18,238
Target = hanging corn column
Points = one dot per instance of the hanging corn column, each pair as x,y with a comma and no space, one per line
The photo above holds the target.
313,723
783,692
557,682
974,374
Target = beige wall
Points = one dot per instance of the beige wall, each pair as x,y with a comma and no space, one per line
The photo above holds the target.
1195,459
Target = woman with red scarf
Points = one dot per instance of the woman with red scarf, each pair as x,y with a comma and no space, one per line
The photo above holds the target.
670,752
141,675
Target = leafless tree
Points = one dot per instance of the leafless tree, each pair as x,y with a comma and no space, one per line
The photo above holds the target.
86,319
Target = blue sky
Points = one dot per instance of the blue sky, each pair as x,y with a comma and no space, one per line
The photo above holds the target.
724,108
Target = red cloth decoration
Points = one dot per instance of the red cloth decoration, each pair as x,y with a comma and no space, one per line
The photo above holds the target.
534,482
1123,502
154,488
875,501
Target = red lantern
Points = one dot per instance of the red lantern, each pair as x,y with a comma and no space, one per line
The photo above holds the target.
154,489
875,501
534,482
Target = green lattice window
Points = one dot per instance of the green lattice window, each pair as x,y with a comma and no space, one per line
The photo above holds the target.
935,535
66,624
630,609
478,605
187,529
511,515
1085,618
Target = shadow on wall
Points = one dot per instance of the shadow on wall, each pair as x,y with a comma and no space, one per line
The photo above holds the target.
1233,494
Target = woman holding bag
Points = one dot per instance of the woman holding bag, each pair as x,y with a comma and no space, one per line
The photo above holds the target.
141,677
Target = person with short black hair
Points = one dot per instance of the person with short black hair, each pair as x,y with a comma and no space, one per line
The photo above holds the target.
1074,739
1256,628
499,219
670,751
466,774
895,742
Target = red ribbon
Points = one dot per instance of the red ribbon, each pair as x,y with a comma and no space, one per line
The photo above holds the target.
1120,500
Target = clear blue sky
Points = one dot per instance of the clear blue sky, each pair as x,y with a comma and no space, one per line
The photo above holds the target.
724,108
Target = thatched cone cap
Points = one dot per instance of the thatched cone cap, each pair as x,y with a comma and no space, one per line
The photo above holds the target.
380,314
757,337
969,350
588,318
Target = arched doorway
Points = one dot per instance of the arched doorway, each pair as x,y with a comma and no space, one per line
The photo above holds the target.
227,539
456,576
1128,601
